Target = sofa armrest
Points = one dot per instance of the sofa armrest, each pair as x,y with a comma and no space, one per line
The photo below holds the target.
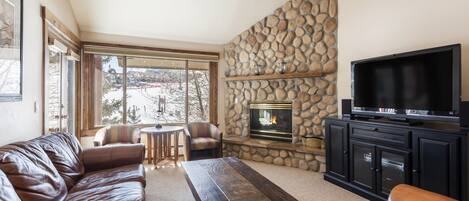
105,157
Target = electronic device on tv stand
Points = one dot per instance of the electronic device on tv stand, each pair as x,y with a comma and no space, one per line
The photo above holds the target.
409,87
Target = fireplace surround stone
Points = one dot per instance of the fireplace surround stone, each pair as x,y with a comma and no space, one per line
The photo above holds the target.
302,36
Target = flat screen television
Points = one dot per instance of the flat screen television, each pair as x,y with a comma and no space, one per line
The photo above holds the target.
423,84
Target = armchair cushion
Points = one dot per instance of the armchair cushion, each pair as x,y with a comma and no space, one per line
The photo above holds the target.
203,129
199,130
123,134
99,158
202,143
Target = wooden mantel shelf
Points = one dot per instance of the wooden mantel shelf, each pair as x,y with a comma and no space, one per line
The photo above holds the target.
274,76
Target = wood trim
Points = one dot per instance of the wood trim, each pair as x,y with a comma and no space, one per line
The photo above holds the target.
87,106
45,60
124,91
59,27
186,101
151,48
213,102
274,76
78,100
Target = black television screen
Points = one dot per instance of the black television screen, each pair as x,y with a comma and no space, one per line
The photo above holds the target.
420,84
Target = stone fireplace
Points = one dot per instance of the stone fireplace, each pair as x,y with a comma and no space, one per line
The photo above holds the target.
263,64
271,121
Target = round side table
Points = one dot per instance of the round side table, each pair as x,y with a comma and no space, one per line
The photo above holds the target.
160,140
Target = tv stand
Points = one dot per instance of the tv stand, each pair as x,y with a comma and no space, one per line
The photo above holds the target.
398,121
430,156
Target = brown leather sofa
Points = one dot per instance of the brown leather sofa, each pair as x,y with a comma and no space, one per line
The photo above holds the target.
54,167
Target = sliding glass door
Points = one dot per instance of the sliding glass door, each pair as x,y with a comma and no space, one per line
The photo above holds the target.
59,91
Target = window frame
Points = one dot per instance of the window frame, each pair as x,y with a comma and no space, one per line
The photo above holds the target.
212,98
54,28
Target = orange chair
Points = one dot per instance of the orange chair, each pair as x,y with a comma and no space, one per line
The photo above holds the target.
404,192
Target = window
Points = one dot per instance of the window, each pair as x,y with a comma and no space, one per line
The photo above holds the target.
199,91
155,90
109,90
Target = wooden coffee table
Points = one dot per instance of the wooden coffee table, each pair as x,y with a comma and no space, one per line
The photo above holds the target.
230,179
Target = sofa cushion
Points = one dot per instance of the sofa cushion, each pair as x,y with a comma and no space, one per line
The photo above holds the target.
30,171
121,191
64,151
112,176
7,191
202,143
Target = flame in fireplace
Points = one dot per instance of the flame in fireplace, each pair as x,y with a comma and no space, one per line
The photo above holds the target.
274,119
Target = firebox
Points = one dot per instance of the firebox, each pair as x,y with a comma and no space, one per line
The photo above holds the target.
271,121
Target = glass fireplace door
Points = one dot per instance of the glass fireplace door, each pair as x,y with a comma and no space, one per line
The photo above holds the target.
271,121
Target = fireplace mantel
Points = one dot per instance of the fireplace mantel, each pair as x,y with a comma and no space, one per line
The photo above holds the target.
274,76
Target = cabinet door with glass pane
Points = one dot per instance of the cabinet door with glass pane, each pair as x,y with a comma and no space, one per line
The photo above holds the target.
392,167
362,165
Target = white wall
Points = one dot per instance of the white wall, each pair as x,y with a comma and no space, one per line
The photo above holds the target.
369,28
63,10
18,121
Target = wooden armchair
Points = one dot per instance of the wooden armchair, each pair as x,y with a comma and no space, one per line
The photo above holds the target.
202,139
117,134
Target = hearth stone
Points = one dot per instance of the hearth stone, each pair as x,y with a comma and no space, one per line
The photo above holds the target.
277,153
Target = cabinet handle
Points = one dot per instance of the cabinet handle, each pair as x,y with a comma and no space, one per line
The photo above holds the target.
345,152
377,170
415,171
372,169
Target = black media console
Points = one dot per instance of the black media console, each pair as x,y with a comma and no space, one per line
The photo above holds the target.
370,158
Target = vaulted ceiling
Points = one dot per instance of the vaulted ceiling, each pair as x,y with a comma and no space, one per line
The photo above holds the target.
203,21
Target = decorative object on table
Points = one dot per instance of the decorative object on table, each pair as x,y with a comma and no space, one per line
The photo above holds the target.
311,141
161,110
11,20
117,134
203,140
282,67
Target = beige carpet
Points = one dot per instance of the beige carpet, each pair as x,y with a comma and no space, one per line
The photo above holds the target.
167,183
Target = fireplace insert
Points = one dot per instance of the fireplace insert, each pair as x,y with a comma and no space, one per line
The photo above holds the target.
271,121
